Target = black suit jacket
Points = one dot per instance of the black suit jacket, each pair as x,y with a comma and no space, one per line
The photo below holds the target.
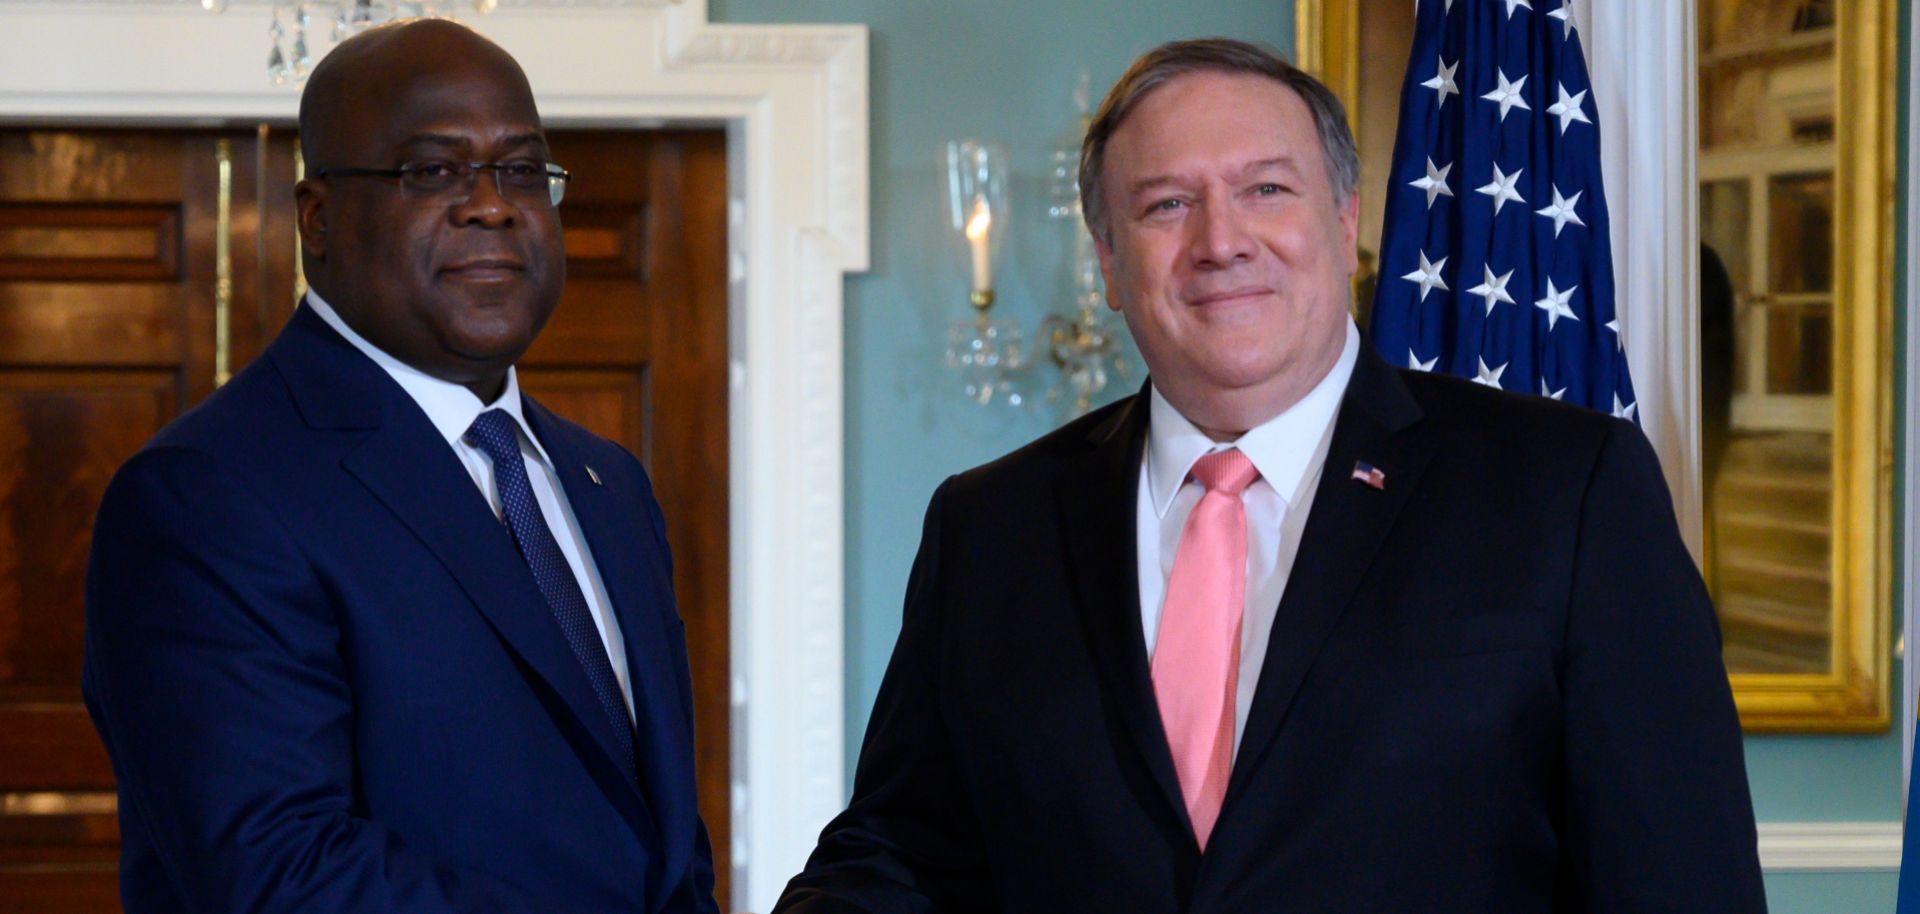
1493,685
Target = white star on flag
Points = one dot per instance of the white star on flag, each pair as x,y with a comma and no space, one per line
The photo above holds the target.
1442,82
1428,276
1618,341
1507,94
1564,14
1501,188
1551,394
1489,376
1493,289
1555,304
1567,109
1413,362
1435,183
1515,4
1561,211
1623,412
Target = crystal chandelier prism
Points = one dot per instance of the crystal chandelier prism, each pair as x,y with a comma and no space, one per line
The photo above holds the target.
290,37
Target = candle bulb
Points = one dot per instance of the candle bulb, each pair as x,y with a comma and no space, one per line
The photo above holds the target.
977,227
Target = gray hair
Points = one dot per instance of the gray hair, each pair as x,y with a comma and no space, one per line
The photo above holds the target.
1219,55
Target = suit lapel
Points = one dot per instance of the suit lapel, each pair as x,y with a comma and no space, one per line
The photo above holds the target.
1349,521
640,586
405,463
1098,503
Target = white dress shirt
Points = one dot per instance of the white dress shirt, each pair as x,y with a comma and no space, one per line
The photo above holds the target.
1289,451
452,408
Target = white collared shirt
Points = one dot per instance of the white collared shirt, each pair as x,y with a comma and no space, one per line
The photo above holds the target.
452,408
1289,450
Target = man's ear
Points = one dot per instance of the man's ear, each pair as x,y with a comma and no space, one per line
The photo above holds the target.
310,215
1103,246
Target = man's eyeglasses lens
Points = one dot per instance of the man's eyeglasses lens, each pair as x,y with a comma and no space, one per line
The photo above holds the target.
525,183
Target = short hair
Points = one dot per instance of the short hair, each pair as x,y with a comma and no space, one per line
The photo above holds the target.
1216,55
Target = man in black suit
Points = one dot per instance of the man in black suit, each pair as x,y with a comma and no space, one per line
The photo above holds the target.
1291,630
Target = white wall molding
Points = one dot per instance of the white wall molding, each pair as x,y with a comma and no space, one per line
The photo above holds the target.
1909,562
794,102
1800,847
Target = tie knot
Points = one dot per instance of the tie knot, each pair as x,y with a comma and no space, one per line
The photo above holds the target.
1228,472
492,432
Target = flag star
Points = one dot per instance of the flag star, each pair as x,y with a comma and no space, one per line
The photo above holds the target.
1501,188
1428,276
1619,342
1561,211
1489,376
1493,289
1555,304
1435,183
1623,412
1507,94
1516,4
1413,362
1442,81
1568,108
1551,394
1565,15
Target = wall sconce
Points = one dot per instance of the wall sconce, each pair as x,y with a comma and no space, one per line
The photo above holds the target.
988,352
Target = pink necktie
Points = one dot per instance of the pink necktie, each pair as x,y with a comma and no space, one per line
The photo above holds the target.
1196,656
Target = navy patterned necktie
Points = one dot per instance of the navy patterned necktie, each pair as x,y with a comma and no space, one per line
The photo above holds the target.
495,433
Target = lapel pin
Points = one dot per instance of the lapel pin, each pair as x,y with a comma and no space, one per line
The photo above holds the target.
595,476
1371,475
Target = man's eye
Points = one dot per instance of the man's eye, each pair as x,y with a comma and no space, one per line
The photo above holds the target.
1269,189
1166,206
524,173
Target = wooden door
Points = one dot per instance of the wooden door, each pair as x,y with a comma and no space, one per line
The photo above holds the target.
114,318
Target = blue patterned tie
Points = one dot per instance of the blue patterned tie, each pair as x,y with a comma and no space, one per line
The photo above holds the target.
495,433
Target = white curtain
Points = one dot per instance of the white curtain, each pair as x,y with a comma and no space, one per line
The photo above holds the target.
1641,56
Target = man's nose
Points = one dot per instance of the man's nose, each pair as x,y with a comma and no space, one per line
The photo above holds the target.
485,206
1219,236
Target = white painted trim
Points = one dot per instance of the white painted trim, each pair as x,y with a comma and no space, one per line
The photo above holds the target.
1641,57
1801,847
794,101
1910,424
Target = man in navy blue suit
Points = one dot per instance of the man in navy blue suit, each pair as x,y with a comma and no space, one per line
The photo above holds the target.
369,630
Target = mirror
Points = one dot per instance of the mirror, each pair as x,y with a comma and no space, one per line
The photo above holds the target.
1794,167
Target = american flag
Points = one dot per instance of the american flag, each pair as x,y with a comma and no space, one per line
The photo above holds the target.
1495,263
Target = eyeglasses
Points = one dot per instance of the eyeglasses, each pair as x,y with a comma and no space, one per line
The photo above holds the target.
525,183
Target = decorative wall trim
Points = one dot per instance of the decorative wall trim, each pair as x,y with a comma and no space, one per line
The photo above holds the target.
1800,847
1909,560
794,102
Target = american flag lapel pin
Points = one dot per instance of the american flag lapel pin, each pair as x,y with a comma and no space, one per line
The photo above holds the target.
595,476
1371,475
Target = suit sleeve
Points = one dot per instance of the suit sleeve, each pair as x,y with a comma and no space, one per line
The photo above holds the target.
214,672
907,841
1658,816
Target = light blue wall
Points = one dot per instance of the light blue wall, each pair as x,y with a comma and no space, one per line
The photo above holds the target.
1004,69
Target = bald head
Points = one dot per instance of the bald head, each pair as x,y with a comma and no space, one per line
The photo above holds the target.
387,62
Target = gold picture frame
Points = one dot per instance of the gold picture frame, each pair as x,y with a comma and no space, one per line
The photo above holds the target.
1853,694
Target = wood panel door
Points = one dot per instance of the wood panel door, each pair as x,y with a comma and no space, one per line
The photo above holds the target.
116,314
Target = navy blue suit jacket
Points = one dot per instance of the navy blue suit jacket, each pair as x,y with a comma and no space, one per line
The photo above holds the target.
328,682
1494,685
